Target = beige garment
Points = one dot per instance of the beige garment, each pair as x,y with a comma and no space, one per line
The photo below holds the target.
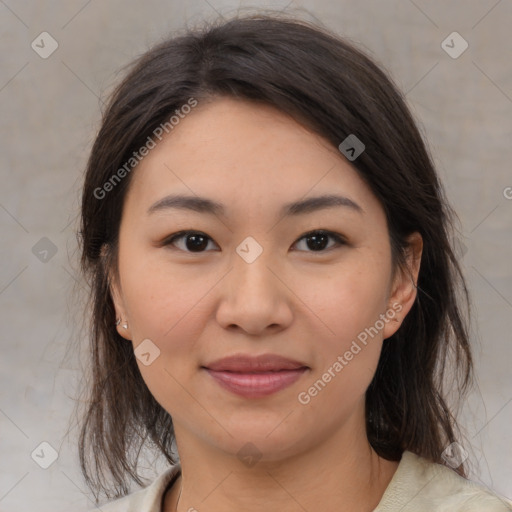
418,485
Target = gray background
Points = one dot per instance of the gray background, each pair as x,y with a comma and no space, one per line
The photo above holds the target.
50,113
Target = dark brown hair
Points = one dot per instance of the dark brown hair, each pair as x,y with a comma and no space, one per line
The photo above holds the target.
332,87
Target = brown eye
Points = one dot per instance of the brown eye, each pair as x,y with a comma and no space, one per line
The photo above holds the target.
317,241
193,241
197,242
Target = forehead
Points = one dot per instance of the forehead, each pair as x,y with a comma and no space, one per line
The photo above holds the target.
242,154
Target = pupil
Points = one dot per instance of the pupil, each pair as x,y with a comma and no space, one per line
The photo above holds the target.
197,243
316,243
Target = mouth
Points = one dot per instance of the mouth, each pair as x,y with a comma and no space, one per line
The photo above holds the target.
255,377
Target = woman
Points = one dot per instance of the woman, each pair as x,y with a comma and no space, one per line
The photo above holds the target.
274,293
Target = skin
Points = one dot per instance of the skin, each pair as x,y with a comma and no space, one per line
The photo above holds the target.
293,300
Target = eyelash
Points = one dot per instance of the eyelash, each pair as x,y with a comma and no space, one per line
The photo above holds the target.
181,234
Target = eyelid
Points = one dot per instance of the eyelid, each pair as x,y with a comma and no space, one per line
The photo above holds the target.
338,237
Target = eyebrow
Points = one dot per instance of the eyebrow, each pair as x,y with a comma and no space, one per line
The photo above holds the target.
209,206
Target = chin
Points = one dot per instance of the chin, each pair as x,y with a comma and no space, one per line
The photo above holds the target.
269,443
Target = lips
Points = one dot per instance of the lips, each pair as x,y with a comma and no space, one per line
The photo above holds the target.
247,364
255,377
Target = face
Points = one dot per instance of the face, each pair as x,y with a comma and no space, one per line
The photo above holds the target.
254,279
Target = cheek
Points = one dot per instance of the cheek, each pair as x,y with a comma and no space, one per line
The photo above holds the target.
351,301
348,351
167,308
163,301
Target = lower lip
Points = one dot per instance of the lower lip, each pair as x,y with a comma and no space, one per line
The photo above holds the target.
256,385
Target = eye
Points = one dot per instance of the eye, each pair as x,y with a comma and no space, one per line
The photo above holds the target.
318,239
195,241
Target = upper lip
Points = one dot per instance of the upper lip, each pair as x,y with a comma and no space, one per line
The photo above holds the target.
261,363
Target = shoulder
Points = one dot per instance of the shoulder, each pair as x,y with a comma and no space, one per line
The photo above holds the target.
419,485
148,499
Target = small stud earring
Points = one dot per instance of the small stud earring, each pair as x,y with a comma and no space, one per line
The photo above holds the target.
124,326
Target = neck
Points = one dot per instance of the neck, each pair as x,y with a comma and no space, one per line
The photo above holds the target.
344,474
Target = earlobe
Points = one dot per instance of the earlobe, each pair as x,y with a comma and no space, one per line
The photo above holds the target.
121,323
122,328
405,289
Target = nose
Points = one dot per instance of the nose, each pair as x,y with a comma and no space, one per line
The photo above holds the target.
254,297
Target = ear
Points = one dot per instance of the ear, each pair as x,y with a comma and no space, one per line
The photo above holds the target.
404,287
115,292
